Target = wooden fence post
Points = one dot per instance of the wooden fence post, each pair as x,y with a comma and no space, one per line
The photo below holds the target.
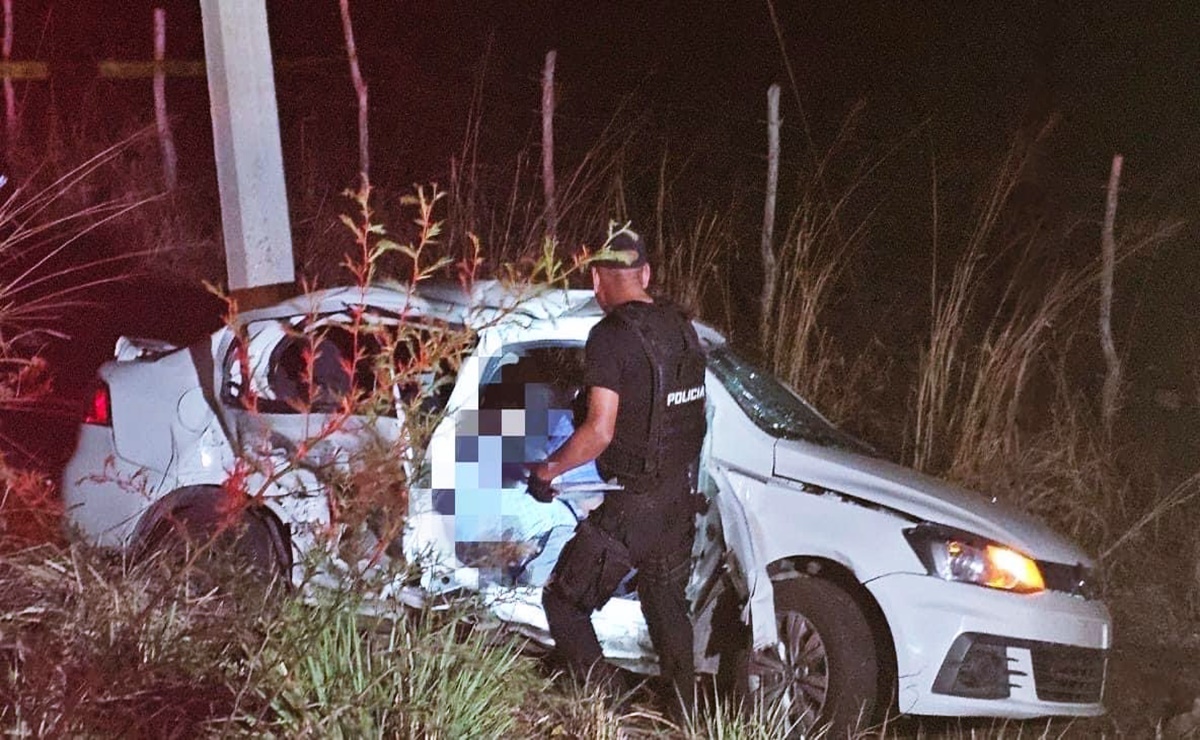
10,98
360,92
768,232
1110,395
551,214
166,141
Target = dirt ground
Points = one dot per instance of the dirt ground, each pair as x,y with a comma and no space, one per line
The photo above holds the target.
1154,668
1148,683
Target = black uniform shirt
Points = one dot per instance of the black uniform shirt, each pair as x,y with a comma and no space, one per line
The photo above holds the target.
617,360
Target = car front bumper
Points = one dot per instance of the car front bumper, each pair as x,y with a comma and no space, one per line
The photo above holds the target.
967,650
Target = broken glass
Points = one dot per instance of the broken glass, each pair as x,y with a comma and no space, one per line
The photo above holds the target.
774,407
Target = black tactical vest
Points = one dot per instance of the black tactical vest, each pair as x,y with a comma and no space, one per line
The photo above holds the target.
677,420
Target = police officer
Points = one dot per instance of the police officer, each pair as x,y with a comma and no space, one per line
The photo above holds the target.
644,427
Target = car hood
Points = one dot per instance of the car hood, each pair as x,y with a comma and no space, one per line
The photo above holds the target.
922,496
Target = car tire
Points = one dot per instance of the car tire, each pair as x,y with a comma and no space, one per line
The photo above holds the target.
254,544
824,669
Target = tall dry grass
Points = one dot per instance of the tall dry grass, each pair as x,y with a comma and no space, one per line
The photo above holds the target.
997,395
693,250
814,256
50,268
500,203
47,266
827,228
325,671
91,646
998,404
51,222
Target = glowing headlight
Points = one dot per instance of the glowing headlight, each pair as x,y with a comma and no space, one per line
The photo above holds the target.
958,556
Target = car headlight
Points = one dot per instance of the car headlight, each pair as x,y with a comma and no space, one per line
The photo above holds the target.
958,556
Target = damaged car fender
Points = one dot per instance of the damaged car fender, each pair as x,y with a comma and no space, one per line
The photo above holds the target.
736,491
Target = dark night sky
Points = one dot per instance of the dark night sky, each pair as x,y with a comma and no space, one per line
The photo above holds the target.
1120,75
947,78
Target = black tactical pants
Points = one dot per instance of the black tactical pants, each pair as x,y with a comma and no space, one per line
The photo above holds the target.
651,532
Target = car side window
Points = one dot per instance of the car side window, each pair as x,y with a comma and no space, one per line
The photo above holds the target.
318,371
532,398
313,366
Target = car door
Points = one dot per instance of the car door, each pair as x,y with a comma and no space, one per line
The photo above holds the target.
512,406
162,410
520,399
320,405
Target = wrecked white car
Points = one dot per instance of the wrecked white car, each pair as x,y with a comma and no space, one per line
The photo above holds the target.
823,574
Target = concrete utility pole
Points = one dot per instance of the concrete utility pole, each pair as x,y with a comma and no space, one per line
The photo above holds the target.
241,90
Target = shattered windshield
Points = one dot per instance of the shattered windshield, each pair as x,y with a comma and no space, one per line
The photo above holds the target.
774,407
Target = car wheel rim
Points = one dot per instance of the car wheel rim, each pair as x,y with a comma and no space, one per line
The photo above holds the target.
795,673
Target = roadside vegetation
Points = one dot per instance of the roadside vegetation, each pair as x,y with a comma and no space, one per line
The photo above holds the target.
985,373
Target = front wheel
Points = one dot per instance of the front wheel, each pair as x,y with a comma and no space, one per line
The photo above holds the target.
824,671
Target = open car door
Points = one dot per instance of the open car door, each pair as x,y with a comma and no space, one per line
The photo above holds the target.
516,403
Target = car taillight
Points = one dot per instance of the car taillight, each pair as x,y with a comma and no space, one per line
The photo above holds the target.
99,411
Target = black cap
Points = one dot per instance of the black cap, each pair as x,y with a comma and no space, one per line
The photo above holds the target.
623,250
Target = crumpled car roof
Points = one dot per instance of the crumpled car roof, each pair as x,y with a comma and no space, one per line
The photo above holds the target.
483,302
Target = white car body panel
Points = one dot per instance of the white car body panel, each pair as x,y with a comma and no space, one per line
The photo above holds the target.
778,500
920,496
743,536
926,615
104,508
154,393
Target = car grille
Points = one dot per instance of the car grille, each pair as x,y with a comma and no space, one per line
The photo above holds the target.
1068,674
978,667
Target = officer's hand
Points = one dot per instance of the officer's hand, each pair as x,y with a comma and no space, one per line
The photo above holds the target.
540,488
